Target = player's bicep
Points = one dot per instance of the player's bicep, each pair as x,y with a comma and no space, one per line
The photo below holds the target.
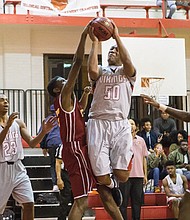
23,131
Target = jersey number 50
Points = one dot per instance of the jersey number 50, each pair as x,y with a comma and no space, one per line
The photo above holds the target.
112,93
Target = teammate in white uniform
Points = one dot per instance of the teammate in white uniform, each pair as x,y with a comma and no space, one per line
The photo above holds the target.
13,177
109,132
175,186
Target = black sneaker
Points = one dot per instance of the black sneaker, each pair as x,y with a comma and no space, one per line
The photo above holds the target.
116,193
117,196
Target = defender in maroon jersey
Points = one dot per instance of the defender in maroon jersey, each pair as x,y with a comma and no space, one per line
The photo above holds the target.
72,129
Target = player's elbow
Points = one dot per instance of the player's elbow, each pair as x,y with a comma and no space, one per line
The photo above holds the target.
93,74
187,118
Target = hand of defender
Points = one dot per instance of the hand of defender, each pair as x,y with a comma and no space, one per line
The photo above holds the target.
91,34
148,100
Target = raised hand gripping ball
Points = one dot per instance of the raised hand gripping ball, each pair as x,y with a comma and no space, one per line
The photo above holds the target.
103,28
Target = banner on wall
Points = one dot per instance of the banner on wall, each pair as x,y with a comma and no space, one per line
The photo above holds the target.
62,7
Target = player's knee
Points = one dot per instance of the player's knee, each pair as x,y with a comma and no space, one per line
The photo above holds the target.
122,176
81,204
123,179
104,180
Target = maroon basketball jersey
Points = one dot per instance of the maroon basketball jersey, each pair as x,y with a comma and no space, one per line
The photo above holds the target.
72,124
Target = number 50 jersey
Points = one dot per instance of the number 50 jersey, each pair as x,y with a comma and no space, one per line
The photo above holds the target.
112,94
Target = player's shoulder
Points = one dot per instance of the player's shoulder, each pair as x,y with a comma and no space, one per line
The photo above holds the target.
165,180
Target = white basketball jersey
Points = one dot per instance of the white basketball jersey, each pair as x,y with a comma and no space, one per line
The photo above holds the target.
112,94
11,148
175,188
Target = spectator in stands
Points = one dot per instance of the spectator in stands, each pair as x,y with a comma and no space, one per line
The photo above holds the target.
167,3
185,3
175,137
174,144
133,188
175,186
164,124
182,134
63,182
156,169
181,115
49,144
14,179
181,158
150,137
139,127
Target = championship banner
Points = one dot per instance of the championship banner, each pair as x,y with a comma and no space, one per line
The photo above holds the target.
62,7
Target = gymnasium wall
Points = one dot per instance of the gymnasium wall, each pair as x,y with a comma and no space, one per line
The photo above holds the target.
22,48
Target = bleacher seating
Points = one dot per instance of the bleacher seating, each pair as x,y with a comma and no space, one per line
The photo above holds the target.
14,3
38,169
154,207
145,7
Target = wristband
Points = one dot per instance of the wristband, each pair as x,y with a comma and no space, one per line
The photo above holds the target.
162,107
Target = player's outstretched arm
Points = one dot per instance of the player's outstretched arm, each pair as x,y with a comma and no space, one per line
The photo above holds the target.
46,128
176,113
93,56
129,69
77,63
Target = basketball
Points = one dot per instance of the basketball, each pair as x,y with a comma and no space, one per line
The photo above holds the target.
103,28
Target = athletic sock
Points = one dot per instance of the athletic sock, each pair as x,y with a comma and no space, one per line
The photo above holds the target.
112,184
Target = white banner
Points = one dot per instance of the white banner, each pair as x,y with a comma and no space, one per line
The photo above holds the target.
62,7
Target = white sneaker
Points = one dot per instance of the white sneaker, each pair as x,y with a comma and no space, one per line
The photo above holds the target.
55,188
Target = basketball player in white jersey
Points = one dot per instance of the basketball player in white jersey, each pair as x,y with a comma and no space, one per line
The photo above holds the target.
109,132
13,177
175,186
